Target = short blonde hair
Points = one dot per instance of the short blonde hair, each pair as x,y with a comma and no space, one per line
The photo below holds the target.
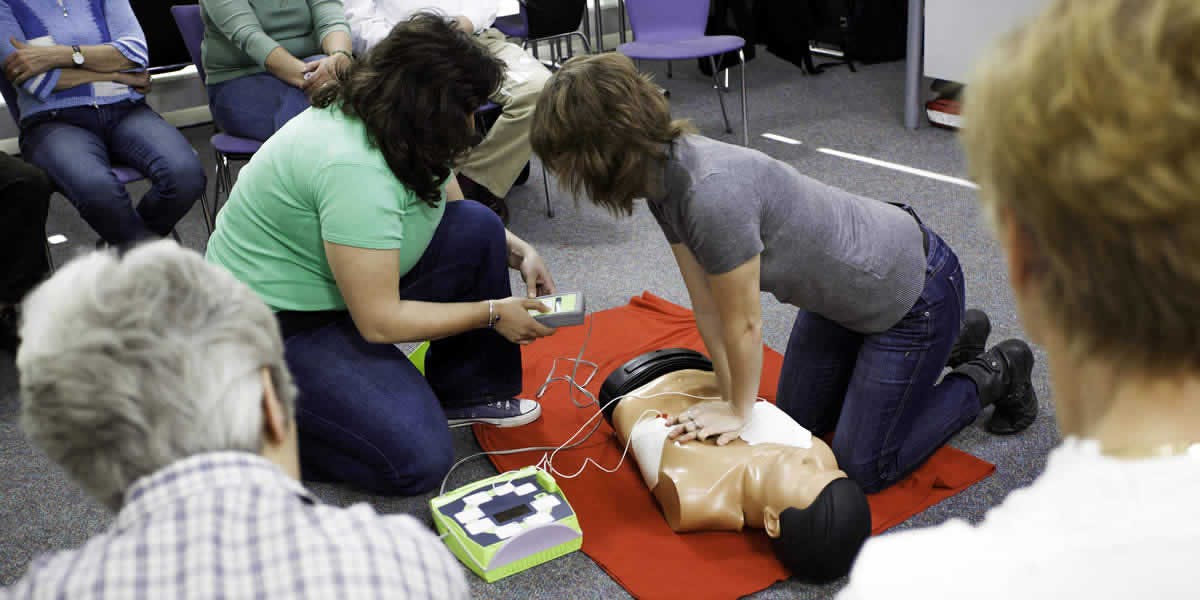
1084,127
603,129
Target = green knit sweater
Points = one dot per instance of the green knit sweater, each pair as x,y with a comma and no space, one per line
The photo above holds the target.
239,34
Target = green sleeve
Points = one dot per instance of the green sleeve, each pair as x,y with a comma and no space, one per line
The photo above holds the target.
361,206
236,20
328,16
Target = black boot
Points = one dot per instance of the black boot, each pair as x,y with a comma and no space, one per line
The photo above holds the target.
1003,377
972,340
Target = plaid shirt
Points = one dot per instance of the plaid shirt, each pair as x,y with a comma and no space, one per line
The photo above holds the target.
232,525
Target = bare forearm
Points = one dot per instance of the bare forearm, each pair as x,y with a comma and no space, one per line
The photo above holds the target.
743,351
413,321
517,248
709,325
286,67
103,58
337,41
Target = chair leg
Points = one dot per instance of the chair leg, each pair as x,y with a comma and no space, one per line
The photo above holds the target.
621,20
546,189
599,19
208,218
720,97
49,257
669,74
587,47
745,109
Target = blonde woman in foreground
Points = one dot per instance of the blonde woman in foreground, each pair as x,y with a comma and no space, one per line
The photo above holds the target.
1083,134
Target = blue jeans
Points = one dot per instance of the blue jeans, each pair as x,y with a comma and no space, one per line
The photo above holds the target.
366,415
77,146
878,391
254,106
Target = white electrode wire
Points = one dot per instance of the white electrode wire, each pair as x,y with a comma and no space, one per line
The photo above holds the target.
567,445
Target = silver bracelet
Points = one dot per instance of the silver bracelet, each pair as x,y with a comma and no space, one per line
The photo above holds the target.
492,314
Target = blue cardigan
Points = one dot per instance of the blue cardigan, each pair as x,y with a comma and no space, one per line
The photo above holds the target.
87,22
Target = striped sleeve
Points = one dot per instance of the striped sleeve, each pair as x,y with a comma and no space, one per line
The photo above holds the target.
126,32
39,87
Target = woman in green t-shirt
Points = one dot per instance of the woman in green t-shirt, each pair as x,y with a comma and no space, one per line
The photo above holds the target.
346,223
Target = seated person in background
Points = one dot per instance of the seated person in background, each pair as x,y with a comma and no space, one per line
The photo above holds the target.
78,67
881,296
253,59
787,482
349,224
162,390
24,200
489,170
1082,130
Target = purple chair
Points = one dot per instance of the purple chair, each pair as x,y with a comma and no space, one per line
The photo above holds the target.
225,147
674,30
125,175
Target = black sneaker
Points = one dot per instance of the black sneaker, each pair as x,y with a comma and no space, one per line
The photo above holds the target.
972,340
1003,376
501,413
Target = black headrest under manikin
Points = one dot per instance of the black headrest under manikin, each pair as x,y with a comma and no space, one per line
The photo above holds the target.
645,368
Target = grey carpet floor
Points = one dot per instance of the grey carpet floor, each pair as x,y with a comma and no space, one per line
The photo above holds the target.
610,261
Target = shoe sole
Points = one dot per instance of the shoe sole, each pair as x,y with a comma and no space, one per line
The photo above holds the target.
502,422
1018,426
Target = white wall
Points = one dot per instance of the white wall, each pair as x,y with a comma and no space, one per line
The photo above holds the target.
957,32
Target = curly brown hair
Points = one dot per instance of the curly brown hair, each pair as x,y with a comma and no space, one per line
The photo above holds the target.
416,92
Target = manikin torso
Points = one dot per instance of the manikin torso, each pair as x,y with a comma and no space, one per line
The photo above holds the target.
701,486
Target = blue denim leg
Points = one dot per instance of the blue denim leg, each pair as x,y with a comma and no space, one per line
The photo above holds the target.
142,139
467,261
254,106
816,371
70,146
894,416
365,414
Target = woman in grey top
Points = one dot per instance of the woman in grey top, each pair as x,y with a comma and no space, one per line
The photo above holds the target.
881,296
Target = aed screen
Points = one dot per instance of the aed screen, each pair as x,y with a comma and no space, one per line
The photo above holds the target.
515,512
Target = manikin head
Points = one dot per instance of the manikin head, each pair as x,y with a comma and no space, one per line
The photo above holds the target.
1089,168
817,519
130,363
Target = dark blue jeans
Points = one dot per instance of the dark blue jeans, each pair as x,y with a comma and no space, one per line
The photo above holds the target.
880,392
77,146
254,106
366,415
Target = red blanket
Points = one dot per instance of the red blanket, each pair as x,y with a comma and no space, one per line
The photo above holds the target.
624,532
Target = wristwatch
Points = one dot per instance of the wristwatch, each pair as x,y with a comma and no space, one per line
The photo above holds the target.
77,56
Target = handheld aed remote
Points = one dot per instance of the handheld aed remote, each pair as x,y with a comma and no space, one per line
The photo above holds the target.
565,310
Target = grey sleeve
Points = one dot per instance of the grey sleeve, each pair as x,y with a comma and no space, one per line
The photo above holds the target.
664,223
723,223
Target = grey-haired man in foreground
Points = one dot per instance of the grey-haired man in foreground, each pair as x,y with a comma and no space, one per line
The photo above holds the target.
158,382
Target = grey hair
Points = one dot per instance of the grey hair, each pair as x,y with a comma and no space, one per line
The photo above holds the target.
128,364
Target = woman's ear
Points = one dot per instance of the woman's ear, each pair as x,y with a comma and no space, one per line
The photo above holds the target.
1020,249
